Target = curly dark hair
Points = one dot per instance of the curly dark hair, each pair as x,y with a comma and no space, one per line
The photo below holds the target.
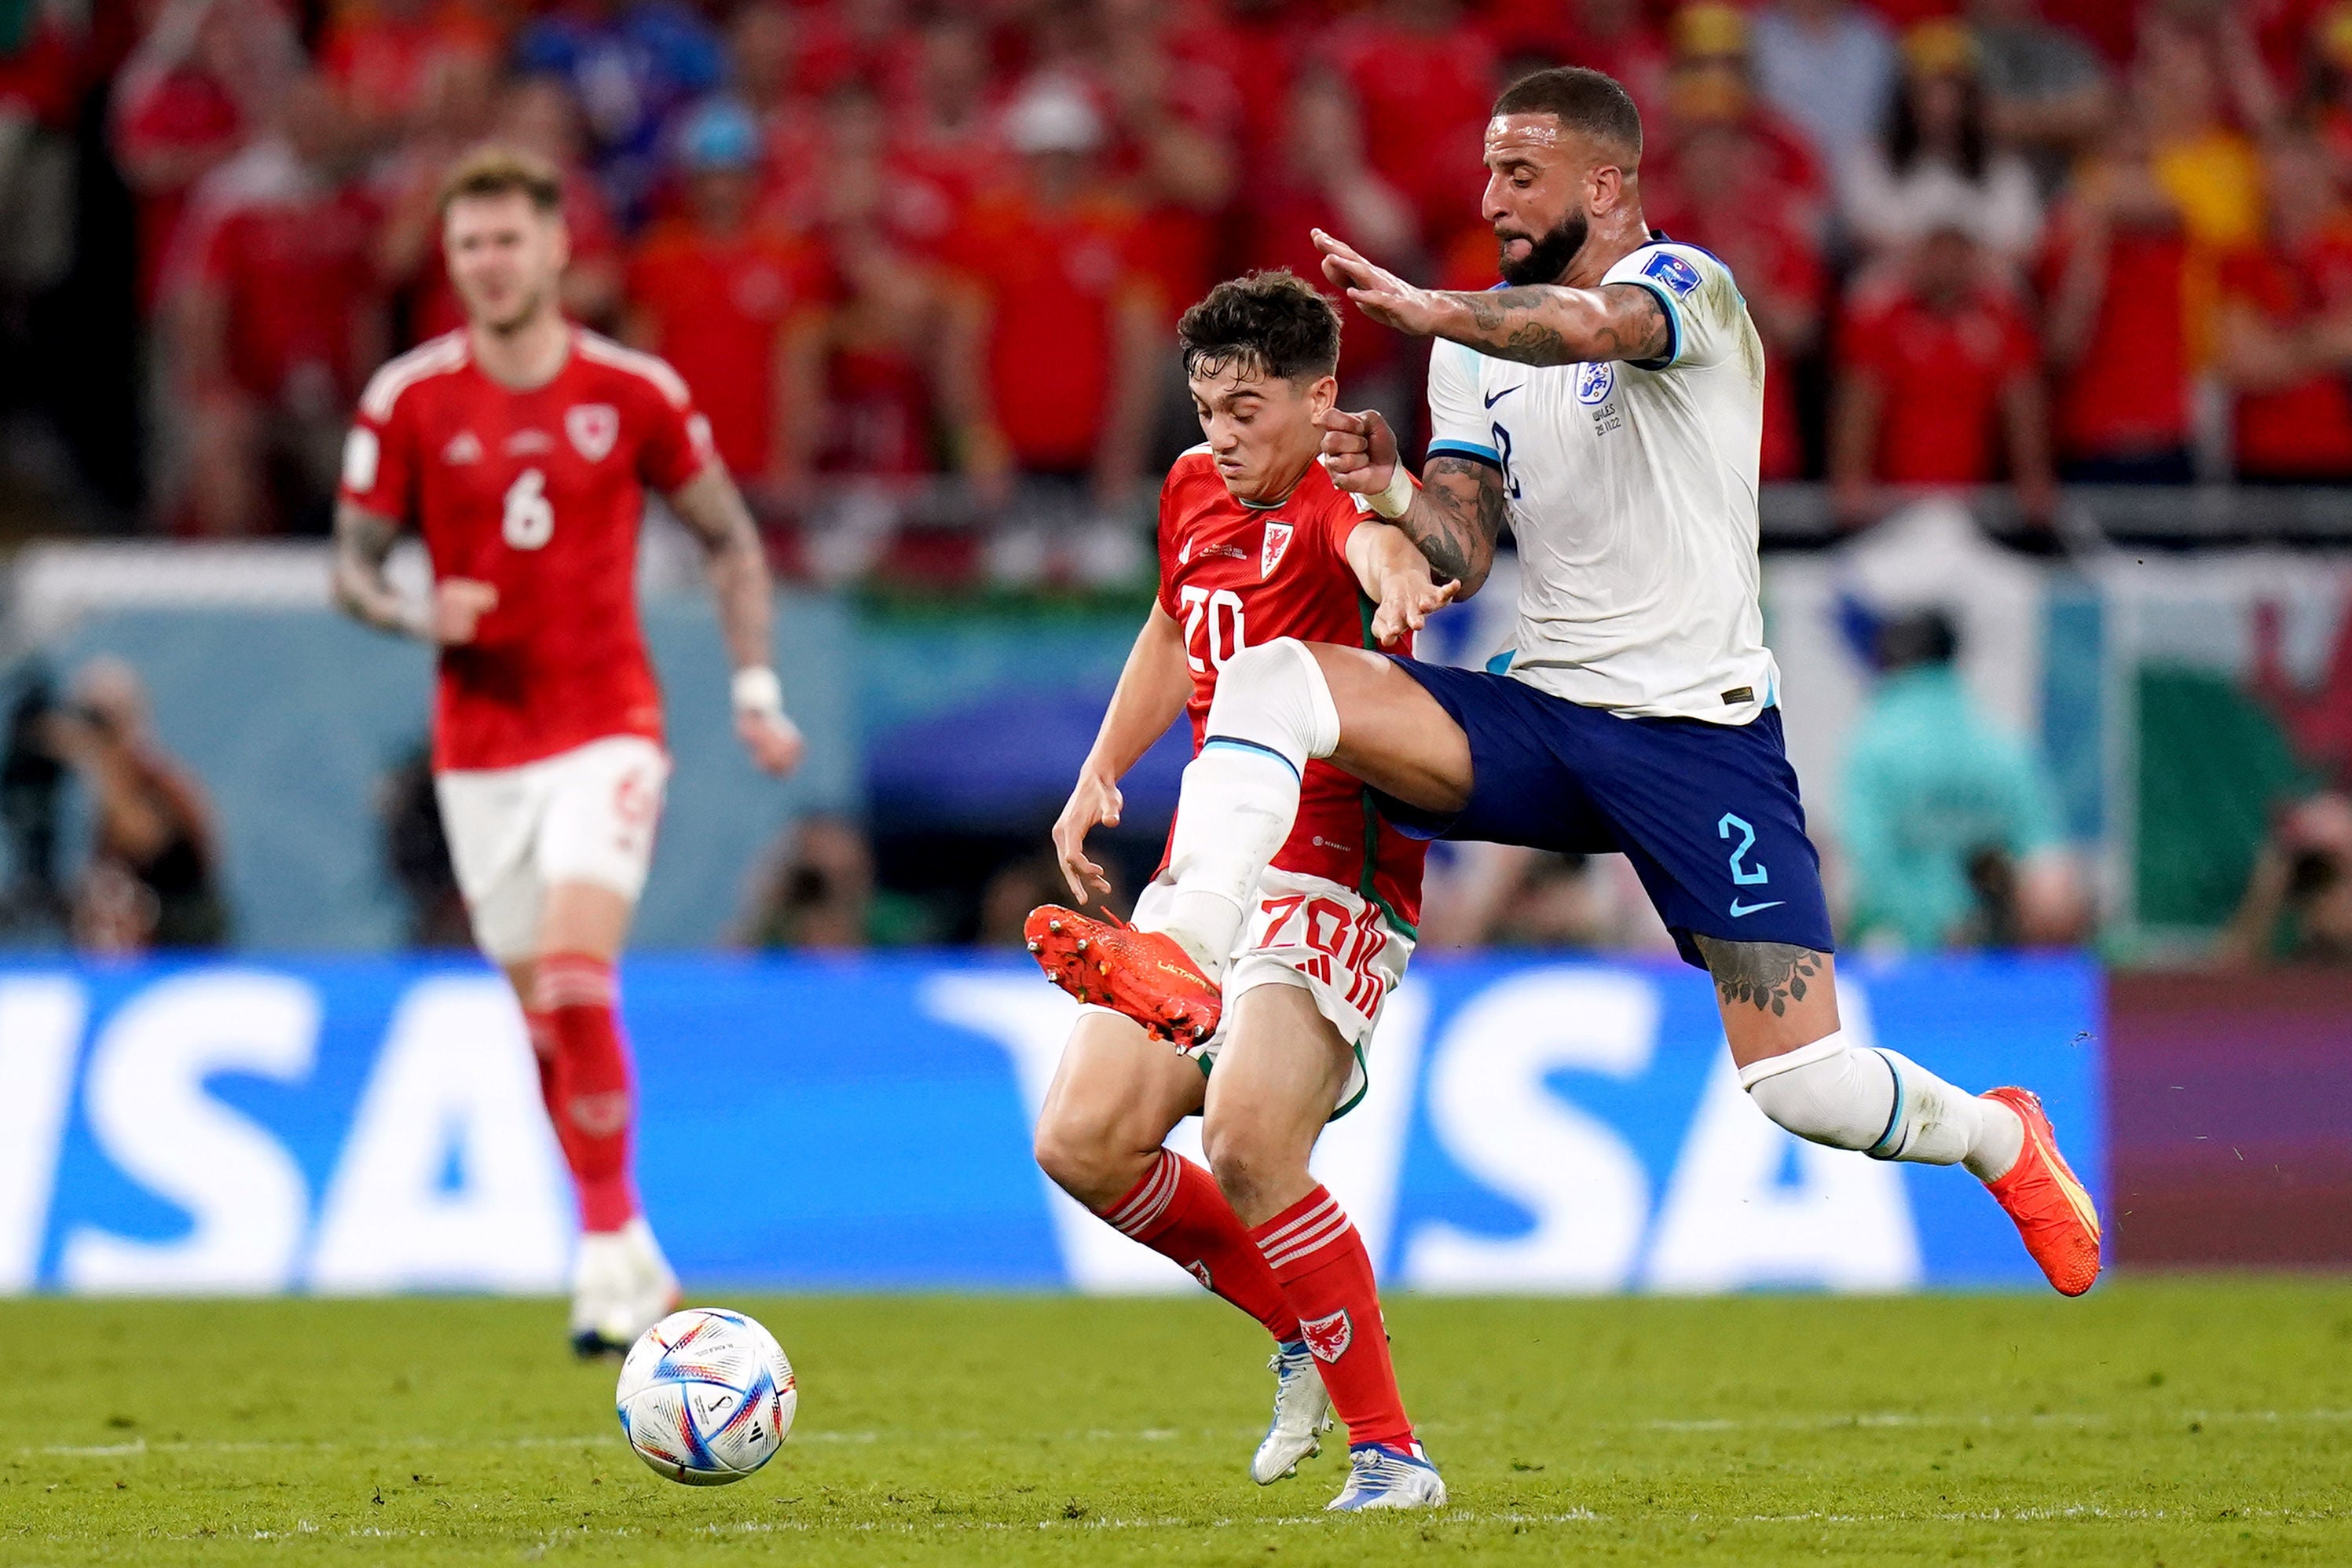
1268,323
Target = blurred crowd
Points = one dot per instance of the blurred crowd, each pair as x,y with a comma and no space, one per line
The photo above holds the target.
920,261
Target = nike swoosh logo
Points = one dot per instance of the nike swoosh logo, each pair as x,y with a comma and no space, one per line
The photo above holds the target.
1500,395
1738,909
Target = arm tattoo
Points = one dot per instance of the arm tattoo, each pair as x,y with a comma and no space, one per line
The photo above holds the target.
364,541
713,510
1765,973
1548,324
1509,320
1457,518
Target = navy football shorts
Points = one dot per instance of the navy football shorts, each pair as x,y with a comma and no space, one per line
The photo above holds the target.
1707,813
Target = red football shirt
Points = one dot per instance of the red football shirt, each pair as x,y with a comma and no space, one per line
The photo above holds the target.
2303,431
537,493
2128,394
1235,576
717,306
1054,278
1940,373
294,268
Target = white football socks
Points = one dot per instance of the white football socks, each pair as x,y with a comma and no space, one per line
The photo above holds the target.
1272,713
1886,1105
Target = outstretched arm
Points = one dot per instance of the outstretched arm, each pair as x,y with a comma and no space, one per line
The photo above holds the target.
713,510
1452,517
1397,578
1151,693
1544,324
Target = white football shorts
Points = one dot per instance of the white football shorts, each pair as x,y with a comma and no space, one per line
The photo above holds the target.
1328,941
587,814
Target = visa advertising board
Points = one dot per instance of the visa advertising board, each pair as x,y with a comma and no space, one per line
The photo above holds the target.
863,1123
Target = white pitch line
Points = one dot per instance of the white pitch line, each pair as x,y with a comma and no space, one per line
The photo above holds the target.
1857,1421
2042,1515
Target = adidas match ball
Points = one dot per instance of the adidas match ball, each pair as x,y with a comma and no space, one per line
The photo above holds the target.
706,1396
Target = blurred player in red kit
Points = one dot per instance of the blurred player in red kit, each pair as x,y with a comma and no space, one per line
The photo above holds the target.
1255,543
520,448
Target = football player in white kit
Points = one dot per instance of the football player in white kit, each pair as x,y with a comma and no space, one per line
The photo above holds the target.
1607,401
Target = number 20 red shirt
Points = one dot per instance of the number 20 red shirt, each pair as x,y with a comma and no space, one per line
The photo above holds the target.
539,493
1232,576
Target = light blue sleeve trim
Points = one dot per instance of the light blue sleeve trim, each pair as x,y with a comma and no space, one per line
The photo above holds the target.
1665,298
1465,449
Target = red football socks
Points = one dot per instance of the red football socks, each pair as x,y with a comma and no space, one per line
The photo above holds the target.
1325,1271
1177,1211
589,1099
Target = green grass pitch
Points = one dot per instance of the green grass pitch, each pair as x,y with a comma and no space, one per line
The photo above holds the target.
2205,1422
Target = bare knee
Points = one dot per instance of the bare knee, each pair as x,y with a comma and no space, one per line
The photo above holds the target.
1087,1157
1067,1149
1253,1166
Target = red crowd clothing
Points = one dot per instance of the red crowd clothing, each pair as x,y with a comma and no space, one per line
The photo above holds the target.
1282,218
183,109
1902,15
2303,431
717,306
1424,97
537,493
878,414
385,62
294,262
43,72
1054,278
1235,576
1764,251
1941,370
2127,395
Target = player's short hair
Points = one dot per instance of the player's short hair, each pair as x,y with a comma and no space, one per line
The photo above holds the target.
1591,102
1268,324
500,170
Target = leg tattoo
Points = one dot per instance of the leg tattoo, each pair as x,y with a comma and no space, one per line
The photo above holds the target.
1769,973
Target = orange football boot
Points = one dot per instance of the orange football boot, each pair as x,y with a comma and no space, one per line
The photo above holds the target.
2052,1209
1145,974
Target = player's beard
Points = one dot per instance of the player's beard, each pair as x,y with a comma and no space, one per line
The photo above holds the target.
524,313
1548,255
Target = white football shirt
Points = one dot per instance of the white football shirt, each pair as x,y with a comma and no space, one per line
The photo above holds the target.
1632,489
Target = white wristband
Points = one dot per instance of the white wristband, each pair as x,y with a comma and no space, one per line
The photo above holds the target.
757,690
1397,499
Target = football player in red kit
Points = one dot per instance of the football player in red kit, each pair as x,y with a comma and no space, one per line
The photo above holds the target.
1256,545
521,448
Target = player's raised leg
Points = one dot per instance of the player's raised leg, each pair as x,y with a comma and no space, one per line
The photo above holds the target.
1279,706
1278,1078
1779,1014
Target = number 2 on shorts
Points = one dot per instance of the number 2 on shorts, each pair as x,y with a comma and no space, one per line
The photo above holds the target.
1744,876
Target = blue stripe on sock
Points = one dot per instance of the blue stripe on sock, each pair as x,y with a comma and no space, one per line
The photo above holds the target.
1879,1150
1239,745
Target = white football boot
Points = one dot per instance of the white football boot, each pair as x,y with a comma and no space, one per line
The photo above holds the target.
1389,1475
1302,1411
621,1286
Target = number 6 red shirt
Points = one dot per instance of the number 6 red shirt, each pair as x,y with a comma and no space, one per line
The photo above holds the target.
537,493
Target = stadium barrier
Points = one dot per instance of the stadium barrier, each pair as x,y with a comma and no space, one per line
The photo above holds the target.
374,1125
